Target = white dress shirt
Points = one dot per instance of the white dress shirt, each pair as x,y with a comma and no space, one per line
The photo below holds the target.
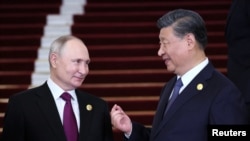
57,92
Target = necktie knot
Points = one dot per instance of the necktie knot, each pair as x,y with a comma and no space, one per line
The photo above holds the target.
177,87
66,96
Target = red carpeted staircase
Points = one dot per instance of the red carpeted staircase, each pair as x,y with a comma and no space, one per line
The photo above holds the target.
122,39
21,28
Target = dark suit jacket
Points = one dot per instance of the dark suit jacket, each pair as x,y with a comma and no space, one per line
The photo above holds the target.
237,31
32,116
218,102
237,35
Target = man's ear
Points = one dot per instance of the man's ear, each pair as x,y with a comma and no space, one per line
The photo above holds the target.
190,40
53,59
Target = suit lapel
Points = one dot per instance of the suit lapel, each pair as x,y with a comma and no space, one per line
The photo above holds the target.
48,107
157,122
163,102
190,91
86,115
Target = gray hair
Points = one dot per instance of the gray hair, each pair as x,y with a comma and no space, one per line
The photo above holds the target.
58,44
184,22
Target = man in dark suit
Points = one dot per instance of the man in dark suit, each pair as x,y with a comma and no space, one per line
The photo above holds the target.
37,114
237,35
206,96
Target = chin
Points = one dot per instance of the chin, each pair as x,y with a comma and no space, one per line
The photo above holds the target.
170,69
77,83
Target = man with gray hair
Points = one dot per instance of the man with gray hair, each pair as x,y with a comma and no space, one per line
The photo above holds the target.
198,96
57,110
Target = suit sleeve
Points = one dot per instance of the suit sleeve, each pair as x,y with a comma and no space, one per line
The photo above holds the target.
139,133
229,103
13,126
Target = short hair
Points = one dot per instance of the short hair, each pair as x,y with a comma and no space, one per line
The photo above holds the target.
58,44
183,22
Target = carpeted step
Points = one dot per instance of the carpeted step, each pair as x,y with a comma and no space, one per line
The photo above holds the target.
20,77
7,90
135,38
20,30
40,2
108,63
123,17
14,8
129,50
123,89
107,39
22,40
16,52
216,48
117,63
154,6
3,105
134,103
22,19
16,64
119,1
131,27
128,76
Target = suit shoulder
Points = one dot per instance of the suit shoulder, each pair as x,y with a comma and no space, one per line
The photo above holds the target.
25,93
89,96
220,78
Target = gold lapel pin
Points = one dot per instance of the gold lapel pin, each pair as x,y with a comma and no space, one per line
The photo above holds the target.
89,107
199,86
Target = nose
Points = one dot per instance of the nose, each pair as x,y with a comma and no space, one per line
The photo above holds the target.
160,51
84,69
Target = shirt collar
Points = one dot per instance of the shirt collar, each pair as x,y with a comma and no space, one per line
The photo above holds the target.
57,91
190,75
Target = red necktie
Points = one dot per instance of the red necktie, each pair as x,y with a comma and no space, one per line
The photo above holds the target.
69,120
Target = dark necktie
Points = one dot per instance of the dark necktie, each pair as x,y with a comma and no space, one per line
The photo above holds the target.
69,120
176,90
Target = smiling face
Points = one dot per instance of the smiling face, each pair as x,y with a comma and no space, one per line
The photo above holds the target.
173,50
70,66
